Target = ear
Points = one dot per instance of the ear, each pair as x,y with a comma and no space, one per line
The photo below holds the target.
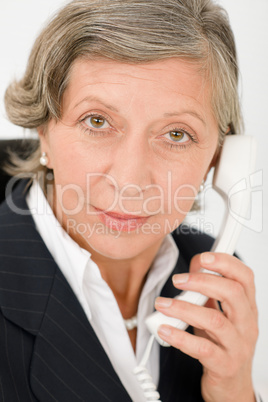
213,161
217,152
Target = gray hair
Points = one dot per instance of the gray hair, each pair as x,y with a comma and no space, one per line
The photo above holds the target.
133,31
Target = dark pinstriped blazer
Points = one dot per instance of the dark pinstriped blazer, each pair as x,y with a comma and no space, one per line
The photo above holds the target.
48,349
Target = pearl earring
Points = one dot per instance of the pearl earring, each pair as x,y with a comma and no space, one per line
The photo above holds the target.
44,159
202,186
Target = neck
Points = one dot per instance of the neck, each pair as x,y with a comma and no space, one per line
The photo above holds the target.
126,278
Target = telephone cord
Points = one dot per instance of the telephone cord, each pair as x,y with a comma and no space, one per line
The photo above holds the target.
143,376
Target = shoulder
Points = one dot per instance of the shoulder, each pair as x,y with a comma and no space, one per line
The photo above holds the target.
16,220
14,205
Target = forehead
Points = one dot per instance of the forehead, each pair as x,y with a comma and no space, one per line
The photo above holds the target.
168,81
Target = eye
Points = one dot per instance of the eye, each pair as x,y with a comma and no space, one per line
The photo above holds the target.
177,136
96,122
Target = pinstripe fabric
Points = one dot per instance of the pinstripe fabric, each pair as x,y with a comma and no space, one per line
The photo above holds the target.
48,350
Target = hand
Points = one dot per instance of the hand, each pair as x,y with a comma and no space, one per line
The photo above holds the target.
224,342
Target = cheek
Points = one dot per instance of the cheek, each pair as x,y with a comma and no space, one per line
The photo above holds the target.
183,198
73,160
182,185
79,178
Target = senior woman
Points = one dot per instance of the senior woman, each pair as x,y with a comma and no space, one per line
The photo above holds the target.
131,100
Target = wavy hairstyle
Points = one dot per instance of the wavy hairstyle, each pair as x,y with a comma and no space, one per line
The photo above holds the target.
133,31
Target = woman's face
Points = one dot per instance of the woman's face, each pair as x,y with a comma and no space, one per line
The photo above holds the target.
135,141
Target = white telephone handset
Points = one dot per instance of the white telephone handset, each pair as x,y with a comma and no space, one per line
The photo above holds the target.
236,163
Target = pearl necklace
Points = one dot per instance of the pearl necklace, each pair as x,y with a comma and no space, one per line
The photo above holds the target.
131,323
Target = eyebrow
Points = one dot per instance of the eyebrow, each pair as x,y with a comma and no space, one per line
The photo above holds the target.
95,99
191,112
172,114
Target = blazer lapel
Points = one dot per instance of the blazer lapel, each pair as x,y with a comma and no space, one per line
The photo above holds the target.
68,361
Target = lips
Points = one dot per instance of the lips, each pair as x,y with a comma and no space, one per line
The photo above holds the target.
116,215
121,222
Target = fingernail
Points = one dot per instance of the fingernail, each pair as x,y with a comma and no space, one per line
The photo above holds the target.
179,279
165,331
207,258
163,302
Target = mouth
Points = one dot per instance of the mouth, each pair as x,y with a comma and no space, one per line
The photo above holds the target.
121,222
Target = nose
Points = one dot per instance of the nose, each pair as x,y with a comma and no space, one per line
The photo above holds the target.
130,168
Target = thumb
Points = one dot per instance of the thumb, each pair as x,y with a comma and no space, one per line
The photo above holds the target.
195,264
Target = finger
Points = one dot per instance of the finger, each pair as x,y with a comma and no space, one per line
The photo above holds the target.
211,303
232,268
195,267
212,321
209,354
195,263
230,293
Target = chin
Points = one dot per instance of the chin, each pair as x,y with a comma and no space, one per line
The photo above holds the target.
122,246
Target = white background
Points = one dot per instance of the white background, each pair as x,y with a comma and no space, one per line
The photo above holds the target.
20,21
